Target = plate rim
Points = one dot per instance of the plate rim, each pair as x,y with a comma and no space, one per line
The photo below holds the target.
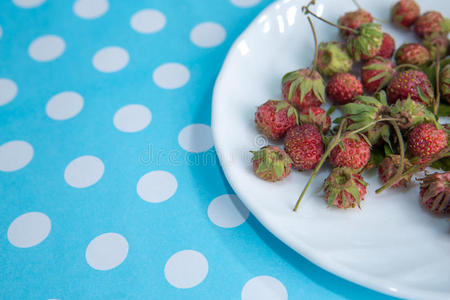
371,282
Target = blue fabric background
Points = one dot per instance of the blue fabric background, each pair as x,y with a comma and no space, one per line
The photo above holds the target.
57,268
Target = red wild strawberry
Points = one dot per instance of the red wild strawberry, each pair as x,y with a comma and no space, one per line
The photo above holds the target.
303,89
430,22
366,43
435,192
343,87
388,169
353,19
305,146
376,74
316,116
425,141
411,53
344,188
445,83
271,163
353,152
411,83
405,12
274,118
387,47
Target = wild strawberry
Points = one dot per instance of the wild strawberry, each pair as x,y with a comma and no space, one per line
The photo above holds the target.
434,41
376,74
274,118
353,152
305,146
410,113
435,192
343,87
411,83
405,12
316,116
303,89
414,54
445,83
353,19
366,43
271,163
332,58
387,47
425,141
344,188
388,169
430,22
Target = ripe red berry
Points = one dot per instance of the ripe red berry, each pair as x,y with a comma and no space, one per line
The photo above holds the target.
376,74
411,83
428,23
353,152
425,141
405,12
305,146
412,53
353,19
303,89
274,118
316,116
435,192
388,169
343,87
386,50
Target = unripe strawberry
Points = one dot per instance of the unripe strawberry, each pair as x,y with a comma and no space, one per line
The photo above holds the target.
353,152
405,12
354,19
304,145
388,168
303,89
316,116
430,22
413,83
274,118
414,54
344,188
343,87
333,58
425,141
435,192
376,74
271,163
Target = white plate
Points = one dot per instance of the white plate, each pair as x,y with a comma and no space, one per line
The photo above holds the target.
391,245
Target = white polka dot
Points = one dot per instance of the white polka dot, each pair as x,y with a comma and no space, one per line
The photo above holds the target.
8,90
157,186
245,3
64,105
186,269
132,118
208,34
90,9
1,32
148,21
107,251
84,171
171,76
196,138
264,288
29,229
227,211
110,59
28,3
15,155
46,48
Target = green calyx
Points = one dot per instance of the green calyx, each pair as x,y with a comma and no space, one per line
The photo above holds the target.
274,163
321,120
386,72
410,113
333,59
340,181
368,41
290,109
303,82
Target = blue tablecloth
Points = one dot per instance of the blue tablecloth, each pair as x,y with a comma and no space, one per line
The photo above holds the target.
109,183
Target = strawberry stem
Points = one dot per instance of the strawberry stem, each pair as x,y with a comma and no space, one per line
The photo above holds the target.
306,10
315,46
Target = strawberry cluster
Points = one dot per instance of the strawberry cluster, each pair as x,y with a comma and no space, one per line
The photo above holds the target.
389,119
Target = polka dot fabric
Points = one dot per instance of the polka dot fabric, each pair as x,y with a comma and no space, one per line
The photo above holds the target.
110,187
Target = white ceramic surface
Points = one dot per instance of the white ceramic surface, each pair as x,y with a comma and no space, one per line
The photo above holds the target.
391,245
